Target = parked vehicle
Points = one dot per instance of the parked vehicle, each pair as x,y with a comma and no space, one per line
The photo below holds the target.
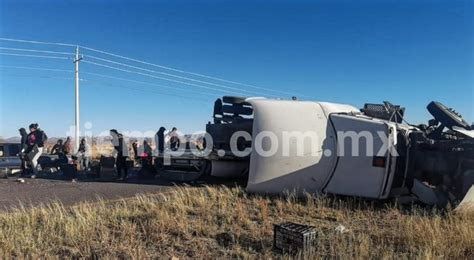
10,162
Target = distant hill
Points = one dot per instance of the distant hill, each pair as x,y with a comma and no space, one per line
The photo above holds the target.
10,140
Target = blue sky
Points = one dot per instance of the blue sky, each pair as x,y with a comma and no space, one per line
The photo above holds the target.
407,52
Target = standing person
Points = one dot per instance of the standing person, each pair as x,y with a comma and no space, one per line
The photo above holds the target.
147,170
122,153
83,154
174,139
35,140
146,156
23,146
160,140
58,148
147,151
67,147
135,150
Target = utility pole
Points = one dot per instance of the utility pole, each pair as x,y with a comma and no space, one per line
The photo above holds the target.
76,78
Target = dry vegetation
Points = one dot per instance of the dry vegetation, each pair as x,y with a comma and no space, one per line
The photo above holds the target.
189,222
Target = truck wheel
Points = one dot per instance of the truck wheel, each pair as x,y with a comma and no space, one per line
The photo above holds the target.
446,115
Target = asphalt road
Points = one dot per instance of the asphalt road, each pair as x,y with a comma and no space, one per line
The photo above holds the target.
35,192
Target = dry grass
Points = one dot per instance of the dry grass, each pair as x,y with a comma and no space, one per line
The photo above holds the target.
187,222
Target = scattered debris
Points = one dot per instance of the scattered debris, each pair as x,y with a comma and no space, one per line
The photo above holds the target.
341,229
20,180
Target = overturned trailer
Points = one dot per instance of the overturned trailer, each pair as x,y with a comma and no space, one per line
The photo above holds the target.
321,147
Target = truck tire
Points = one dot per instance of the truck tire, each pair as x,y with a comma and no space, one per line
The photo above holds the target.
446,116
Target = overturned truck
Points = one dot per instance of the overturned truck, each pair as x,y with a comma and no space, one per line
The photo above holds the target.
320,147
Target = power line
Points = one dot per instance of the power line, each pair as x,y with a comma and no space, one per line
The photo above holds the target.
104,76
183,71
34,68
157,77
144,90
34,56
105,84
170,75
34,76
37,42
155,65
145,83
33,50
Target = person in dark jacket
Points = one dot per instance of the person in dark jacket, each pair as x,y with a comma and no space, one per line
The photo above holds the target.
23,146
24,138
160,140
122,153
58,148
35,145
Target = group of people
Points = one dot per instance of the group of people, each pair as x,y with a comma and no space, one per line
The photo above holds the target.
142,153
173,137
82,155
62,148
32,145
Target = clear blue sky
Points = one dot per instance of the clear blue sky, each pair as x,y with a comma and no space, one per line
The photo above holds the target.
407,52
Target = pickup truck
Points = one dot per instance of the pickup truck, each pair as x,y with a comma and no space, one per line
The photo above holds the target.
10,163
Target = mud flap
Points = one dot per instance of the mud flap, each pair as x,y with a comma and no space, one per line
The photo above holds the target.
467,203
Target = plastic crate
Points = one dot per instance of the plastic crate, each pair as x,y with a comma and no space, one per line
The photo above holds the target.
291,237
